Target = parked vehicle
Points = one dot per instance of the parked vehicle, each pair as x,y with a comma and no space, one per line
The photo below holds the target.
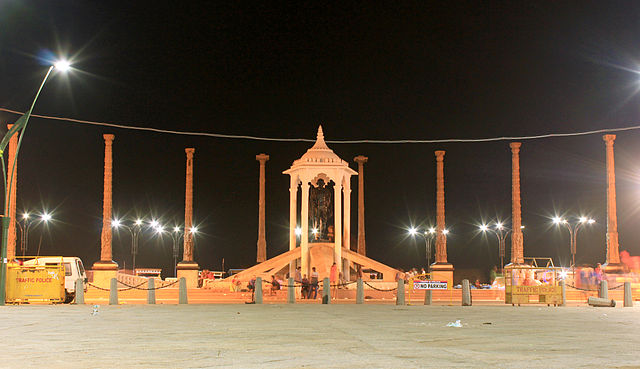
73,270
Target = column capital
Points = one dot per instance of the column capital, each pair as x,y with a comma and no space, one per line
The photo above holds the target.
609,139
360,159
515,146
439,154
108,137
262,158
189,151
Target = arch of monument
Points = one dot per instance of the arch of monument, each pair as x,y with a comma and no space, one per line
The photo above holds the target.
323,181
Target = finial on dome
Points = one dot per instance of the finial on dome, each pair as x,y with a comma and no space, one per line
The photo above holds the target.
320,144
320,133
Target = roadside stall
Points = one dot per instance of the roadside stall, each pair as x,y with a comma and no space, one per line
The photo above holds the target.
535,282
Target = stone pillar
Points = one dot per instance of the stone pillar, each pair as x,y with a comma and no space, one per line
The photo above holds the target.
346,237
517,245
105,269
441,269
337,225
304,237
362,246
12,182
262,241
293,210
188,268
612,264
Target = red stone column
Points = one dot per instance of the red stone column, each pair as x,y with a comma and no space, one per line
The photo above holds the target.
362,246
441,269
106,268
12,182
612,264
262,241
188,268
517,244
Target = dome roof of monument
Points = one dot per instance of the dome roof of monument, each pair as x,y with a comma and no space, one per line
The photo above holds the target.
319,152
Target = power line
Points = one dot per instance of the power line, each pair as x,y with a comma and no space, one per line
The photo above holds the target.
256,138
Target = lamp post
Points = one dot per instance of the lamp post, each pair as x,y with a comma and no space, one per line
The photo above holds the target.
428,236
25,224
176,235
21,124
573,234
134,231
501,233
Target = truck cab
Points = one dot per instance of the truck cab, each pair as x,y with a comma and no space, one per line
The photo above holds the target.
73,270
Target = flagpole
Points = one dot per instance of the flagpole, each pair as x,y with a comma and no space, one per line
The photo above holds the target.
5,218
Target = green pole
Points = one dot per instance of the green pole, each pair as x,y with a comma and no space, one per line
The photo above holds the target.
5,218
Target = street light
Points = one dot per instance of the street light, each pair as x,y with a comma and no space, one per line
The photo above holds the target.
501,233
25,224
428,236
134,231
175,236
573,234
20,125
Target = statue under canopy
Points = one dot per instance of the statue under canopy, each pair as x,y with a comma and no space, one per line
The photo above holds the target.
321,211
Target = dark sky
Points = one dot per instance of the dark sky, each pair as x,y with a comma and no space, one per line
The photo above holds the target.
408,70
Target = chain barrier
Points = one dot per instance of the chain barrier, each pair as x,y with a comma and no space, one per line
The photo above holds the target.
299,284
596,289
129,287
380,289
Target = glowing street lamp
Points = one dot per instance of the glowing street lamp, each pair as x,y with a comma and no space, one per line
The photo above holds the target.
573,234
501,233
176,235
428,236
134,231
25,224
20,125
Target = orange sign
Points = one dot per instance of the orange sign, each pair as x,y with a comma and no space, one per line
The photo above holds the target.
534,290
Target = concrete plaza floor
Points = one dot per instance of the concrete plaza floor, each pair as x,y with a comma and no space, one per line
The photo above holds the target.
318,336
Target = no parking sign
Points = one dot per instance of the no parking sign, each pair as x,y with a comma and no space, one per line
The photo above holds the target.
429,285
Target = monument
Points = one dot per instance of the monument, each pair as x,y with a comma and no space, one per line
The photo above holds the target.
441,270
322,182
613,264
517,241
188,268
12,183
362,245
106,268
262,241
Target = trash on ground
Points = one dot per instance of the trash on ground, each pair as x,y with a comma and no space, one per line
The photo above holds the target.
456,324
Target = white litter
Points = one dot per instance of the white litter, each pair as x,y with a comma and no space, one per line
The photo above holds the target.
456,324
95,310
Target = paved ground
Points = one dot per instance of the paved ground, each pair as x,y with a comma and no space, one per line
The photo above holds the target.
318,336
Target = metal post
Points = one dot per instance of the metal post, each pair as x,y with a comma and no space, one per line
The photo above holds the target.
428,297
603,293
291,294
628,298
151,292
113,292
360,292
326,291
466,293
3,261
183,291
400,294
258,287
79,300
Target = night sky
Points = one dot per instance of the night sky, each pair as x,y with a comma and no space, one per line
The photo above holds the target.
365,71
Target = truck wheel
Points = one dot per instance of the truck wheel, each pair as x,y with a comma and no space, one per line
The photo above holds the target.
68,297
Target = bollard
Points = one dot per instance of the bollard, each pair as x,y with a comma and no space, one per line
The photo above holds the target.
360,292
628,298
326,291
291,292
428,296
79,300
603,292
113,293
564,293
466,293
258,294
182,293
151,292
400,294
599,302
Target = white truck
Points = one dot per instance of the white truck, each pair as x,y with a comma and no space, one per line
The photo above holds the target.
73,270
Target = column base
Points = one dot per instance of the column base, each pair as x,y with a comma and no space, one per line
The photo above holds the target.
614,268
442,272
103,271
188,270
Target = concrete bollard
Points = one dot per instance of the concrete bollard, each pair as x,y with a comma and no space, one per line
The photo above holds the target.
400,294
603,292
151,292
599,302
466,293
628,298
360,292
258,293
428,297
182,293
291,292
563,285
326,291
113,293
79,300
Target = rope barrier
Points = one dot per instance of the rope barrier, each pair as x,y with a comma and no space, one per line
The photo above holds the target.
596,289
129,287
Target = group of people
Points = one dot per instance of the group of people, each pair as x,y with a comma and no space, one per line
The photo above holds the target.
309,286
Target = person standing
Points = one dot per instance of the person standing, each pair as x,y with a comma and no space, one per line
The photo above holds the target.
313,284
333,279
304,292
298,280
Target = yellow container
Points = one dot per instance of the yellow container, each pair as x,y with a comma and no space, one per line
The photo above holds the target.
38,283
